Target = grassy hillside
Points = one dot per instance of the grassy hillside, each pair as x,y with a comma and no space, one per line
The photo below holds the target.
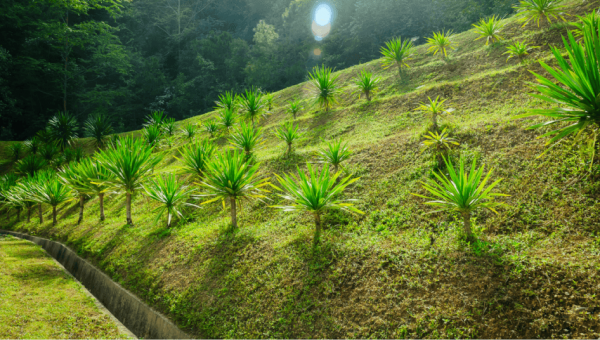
395,271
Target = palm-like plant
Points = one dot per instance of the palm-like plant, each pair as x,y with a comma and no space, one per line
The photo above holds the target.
253,105
98,127
435,107
247,138
29,165
19,197
294,107
51,191
29,189
575,88
49,151
73,175
195,157
7,182
227,100
315,193
519,50
439,143
94,179
33,145
156,118
169,126
130,164
462,192
325,86
227,119
211,126
366,84
269,100
592,19
189,131
15,151
440,42
334,153
489,29
63,129
230,178
170,194
288,132
152,134
528,10
396,53
44,136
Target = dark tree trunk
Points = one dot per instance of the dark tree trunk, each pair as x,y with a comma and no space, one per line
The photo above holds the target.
40,213
128,204
54,215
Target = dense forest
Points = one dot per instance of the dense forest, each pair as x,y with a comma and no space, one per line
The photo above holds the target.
125,59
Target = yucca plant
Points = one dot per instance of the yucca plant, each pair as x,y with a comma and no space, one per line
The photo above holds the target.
94,179
15,151
74,175
156,118
49,152
535,10
19,197
396,53
33,145
269,100
227,100
592,19
152,134
171,195
28,189
294,107
130,164
7,182
288,133
489,29
63,128
52,191
195,157
440,43
462,192
435,107
229,178
334,153
98,126
246,138
325,86
315,193
29,165
168,126
519,50
366,84
575,88
211,126
189,131
227,119
253,105
440,144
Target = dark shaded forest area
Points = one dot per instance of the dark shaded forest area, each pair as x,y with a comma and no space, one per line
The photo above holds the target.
126,59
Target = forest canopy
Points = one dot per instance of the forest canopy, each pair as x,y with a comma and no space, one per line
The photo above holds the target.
127,58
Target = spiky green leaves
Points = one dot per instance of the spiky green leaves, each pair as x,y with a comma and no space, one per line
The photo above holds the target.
246,138
98,127
171,195
52,191
441,42
325,87
211,126
29,165
315,192
152,134
253,105
228,101
519,50
227,119
195,157
289,133
334,153
62,129
294,107
435,107
189,131
366,84
168,126
156,118
489,29
535,10
16,150
397,52
33,145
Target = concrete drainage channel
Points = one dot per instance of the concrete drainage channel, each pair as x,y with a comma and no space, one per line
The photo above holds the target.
138,317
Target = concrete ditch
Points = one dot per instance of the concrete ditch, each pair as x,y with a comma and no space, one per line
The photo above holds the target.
138,317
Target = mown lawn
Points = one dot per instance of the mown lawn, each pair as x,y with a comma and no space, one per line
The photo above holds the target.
39,300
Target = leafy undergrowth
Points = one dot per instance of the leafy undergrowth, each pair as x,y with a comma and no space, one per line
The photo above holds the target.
40,301
395,271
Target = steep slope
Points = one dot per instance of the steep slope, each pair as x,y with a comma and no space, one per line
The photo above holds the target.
395,271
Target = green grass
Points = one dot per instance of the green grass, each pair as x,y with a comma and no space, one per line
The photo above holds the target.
40,301
395,271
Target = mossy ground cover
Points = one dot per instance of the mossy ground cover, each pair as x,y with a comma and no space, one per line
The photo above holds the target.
395,271
39,300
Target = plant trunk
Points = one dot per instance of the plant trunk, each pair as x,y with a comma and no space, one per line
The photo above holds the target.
81,202
289,149
435,126
467,225
128,206
317,229
368,94
233,213
54,215
101,196
28,214
40,213
168,220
